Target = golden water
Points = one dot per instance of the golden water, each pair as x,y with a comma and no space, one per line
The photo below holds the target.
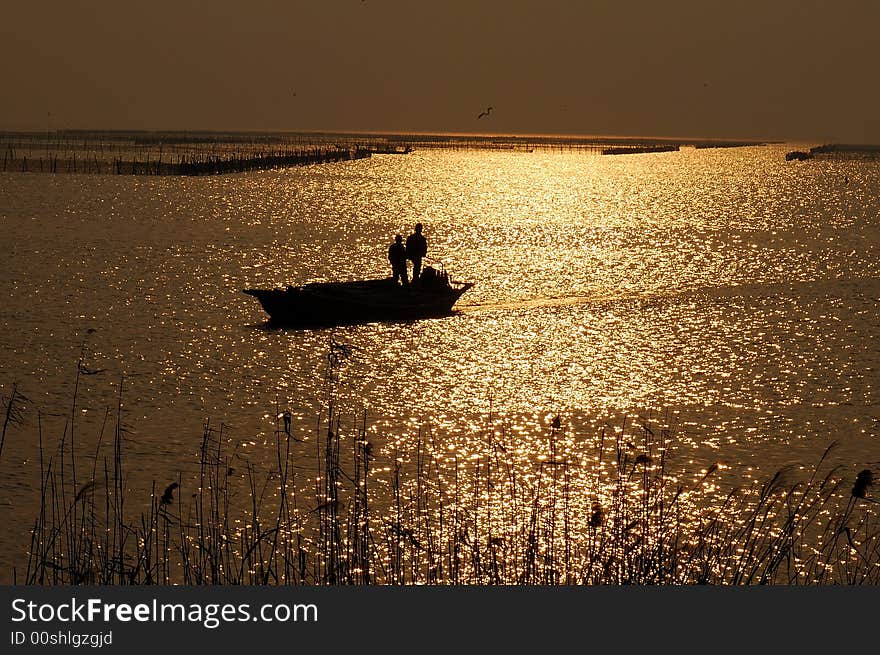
725,293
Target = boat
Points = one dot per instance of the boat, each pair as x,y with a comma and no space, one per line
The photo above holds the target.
798,155
319,304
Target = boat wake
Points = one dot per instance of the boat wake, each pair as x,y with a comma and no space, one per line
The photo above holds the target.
537,303
862,288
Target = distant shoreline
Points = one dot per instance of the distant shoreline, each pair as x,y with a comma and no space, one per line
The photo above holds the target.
249,136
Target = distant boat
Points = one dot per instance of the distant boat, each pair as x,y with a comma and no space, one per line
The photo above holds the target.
361,301
798,155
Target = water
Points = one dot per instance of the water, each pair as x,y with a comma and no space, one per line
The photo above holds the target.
725,292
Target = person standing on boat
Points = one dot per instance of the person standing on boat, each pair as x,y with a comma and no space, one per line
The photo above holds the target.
416,248
397,257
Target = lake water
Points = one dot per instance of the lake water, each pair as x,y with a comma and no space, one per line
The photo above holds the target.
723,292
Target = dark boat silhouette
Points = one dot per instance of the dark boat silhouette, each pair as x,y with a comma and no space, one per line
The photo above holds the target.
361,301
798,155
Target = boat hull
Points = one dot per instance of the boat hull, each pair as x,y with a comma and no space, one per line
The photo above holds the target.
365,301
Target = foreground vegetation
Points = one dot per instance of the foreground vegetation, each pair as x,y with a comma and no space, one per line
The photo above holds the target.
607,511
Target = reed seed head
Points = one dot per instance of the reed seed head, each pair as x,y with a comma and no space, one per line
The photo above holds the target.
863,480
168,496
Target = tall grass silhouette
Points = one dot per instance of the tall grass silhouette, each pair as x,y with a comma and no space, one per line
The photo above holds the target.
567,510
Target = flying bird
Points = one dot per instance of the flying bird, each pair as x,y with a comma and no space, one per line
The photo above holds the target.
484,113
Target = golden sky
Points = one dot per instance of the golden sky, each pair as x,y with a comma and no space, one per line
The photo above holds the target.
772,69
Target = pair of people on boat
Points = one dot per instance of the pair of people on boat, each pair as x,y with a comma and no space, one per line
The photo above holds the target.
415,249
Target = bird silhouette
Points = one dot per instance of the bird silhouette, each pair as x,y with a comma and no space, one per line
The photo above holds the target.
485,113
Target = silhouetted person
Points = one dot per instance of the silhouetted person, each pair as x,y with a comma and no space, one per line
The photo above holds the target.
416,248
397,257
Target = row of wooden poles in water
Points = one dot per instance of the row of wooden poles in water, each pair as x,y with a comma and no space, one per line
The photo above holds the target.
90,160
184,164
218,164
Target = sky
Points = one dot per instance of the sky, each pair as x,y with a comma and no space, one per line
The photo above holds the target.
769,69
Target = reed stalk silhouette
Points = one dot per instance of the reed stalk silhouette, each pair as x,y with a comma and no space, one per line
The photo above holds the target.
568,510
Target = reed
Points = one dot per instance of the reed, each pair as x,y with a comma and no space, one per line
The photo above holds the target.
13,409
607,511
